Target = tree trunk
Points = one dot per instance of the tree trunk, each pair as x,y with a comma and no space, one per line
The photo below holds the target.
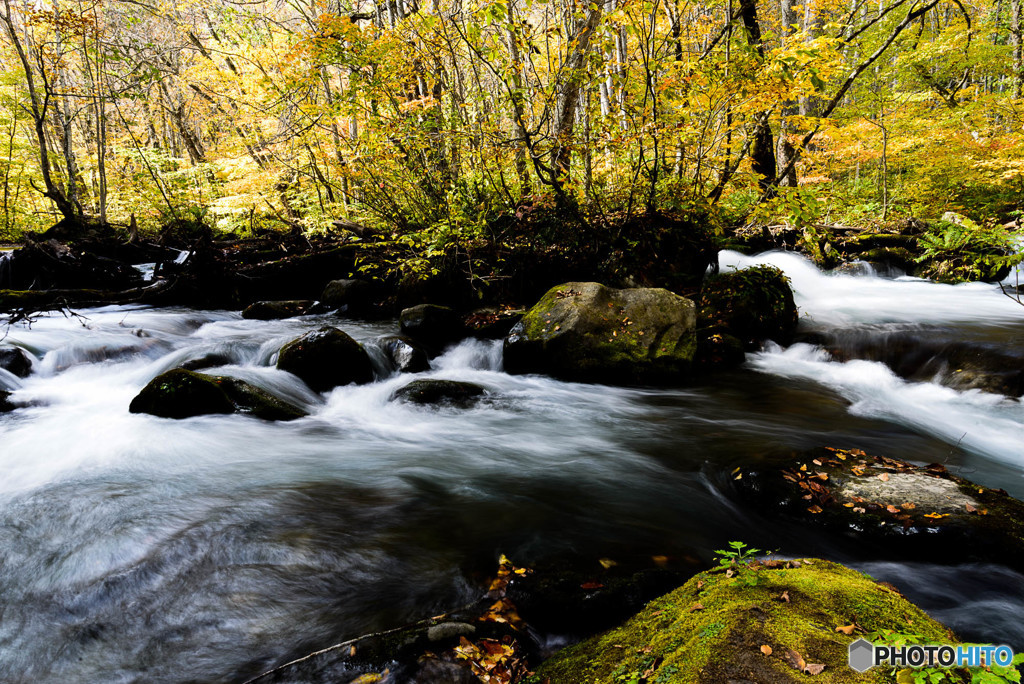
1016,28
568,91
785,152
762,148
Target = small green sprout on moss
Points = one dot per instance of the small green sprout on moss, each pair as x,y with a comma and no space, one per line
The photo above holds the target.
736,558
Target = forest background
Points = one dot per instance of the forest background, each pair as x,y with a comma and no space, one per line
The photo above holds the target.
455,121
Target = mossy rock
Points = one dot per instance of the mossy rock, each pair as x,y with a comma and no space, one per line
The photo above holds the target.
588,332
752,305
904,510
712,630
440,393
326,358
181,393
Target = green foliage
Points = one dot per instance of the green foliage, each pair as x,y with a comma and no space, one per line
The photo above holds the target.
960,249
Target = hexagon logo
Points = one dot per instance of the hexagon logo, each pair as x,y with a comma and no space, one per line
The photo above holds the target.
862,655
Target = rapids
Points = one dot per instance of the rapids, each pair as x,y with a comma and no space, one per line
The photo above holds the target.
139,549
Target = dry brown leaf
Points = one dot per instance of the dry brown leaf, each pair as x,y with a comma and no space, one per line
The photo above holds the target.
909,506
785,596
696,606
815,509
814,668
970,508
607,563
884,477
892,509
795,660
847,630
591,585
803,468
858,509
766,649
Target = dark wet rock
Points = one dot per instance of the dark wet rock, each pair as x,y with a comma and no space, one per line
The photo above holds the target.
257,402
440,393
492,323
588,332
752,305
6,404
901,509
404,353
207,361
433,326
352,296
16,360
326,358
270,311
766,622
182,393
582,596
719,350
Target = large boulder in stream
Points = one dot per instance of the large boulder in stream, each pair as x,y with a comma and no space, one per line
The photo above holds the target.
588,332
902,510
352,296
764,622
181,393
16,360
440,393
326,358
433,326
750,305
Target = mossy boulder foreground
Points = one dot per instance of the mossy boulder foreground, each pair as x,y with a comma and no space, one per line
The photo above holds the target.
326,358
588,332
181,393
767,622
901,508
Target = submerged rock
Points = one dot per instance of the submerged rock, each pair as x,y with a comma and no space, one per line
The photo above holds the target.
588,332
440,392
16,360
181,393
326,358
270,311
751,305
211,360
6,404
771,622
433,326
404,353
924,512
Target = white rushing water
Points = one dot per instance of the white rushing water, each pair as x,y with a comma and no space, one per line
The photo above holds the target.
143,549
987,424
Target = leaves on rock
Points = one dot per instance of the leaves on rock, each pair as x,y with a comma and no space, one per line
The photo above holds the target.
766,649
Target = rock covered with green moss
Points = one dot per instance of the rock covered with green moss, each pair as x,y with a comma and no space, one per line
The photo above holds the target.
772,622
750,305
588,332
181,393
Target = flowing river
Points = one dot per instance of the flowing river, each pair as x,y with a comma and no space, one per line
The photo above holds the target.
139,549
